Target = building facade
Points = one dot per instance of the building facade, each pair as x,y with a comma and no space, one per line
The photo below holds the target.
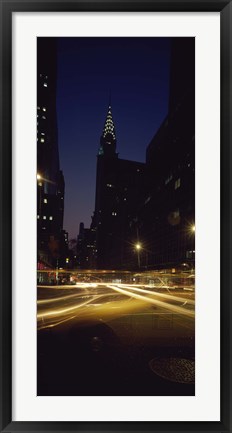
50,180
119,191
168,214
86,246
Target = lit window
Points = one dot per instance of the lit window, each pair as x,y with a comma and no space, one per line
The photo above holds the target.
38,108
45,84
44,109
138,170
51,218
44,117
42,140
45,200
37,217
114,213
190,254
124,199
42,133
169,178
176,213
109,185
44,217
177,183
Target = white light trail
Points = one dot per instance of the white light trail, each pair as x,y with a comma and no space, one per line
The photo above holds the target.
61,298
162,304
162,295
62,311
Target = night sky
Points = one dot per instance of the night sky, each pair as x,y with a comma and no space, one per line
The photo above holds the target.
135,71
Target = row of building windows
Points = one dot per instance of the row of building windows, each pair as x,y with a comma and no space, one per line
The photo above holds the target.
169,178
45,217
43,109
177,182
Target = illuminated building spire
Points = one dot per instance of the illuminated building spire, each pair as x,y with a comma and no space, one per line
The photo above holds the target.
109,128
108,137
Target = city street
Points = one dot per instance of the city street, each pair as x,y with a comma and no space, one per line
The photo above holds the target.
116,222
112,334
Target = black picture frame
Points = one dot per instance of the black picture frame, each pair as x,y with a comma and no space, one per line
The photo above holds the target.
7,8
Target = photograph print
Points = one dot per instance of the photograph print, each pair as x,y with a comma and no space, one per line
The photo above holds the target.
115,216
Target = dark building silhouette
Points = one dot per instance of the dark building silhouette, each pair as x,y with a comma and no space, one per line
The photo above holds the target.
153,204
120,187
50,180
168,215
86,246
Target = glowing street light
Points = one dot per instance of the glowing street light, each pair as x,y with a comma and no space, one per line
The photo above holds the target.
40,184
41,178
138,248
190,229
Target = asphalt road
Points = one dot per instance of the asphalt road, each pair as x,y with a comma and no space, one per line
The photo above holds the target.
116,338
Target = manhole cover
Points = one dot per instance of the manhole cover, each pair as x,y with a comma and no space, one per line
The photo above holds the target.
179,370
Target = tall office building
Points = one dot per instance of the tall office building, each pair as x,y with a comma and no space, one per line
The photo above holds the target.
119,189
168,213
86,245
50,180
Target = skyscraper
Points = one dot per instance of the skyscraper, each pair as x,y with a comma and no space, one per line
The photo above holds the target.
50,180
169,212
119,188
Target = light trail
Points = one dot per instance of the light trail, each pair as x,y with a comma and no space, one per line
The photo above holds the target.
162,295
138,296
162,304
52,325
65,310
65,286
60,298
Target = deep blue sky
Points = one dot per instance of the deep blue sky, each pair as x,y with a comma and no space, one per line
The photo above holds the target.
136,72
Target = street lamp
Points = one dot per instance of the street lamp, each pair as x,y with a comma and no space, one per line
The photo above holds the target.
138,249
39,179
40,184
